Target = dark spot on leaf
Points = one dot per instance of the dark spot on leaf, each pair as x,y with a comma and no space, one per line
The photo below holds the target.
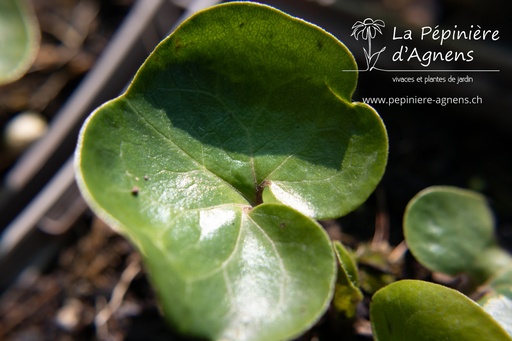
319,44
135,191
177,45
242,24
282,225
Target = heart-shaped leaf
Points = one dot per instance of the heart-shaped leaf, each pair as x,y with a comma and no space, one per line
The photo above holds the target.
451,230
241,104
422,311
261,100
19,39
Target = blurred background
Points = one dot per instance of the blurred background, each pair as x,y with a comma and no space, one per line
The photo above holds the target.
61,266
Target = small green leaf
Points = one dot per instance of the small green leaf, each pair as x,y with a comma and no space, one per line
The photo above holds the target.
451,230
348,264
241,104
375,269
501,283
19,39
347,294
422,311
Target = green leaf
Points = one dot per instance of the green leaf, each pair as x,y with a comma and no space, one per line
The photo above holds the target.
498,286
261,100
500,308
242,103
451,230
375,269
347,294
348,264
261,274
497,300
422,311
501,283
19,39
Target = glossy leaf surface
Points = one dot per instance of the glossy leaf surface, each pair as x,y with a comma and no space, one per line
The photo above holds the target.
500,308
451,230
261,100
265,275
497,300
422,311
19,38
241,103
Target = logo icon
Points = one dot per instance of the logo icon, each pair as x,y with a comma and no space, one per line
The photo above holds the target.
367,30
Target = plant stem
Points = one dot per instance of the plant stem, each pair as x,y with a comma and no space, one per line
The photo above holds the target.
259,192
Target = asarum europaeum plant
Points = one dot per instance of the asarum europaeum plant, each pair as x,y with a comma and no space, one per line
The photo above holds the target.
236,134
424,311
19,39
449,230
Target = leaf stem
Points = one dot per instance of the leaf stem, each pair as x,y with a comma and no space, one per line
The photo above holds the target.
259,192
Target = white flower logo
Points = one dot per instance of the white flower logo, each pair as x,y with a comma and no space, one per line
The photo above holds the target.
368,29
